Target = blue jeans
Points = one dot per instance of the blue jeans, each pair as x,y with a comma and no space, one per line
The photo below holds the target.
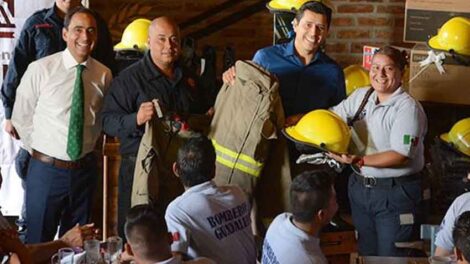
384,215
55,195
125,181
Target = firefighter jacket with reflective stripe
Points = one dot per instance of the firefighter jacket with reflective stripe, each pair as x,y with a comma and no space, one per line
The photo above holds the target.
247,116
153,174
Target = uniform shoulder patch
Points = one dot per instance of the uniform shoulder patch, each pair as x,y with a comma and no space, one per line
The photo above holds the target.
175,236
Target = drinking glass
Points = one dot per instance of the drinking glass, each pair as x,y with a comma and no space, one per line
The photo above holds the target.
113,250
63,256
92,249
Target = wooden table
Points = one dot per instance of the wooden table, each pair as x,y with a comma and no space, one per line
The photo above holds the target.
388,260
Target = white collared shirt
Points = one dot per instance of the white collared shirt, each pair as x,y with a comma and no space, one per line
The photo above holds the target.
43,102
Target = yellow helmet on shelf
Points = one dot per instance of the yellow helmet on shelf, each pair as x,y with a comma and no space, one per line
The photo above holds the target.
459,136
355,77
135,36
286,5
321,129
453,35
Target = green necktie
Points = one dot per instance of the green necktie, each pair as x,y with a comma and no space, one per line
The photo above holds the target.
75,135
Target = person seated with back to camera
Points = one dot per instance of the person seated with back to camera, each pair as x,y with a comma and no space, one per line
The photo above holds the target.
148,240
293,237
208,220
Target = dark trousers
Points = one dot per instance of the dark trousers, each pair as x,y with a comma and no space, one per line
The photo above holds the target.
384,215
126,178
21,164
58,196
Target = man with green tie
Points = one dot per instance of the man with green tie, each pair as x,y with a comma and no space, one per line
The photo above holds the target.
56,115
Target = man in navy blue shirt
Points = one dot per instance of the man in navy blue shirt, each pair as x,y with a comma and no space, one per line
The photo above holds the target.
308,78
128,105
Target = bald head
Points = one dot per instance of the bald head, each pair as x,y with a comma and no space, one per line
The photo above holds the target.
164,42
163,22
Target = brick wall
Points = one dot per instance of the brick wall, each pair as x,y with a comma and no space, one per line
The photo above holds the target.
360,22
355,23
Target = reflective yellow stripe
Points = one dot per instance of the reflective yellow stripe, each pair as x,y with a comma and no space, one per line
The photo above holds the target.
234,154
233,159
238,166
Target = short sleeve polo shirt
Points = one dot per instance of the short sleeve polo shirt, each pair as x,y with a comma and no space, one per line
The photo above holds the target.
398,124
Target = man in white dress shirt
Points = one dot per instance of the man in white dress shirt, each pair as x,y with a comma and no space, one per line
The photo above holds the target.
56,114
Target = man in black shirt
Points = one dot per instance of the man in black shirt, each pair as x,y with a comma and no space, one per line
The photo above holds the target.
128,106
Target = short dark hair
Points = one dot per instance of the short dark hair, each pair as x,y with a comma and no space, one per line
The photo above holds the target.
315,7
195,162
310,192
76,10
461,234
146,230
398,57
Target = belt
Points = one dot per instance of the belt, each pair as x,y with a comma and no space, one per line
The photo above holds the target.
371,182
61,164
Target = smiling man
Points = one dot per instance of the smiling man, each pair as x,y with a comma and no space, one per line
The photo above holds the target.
129,105
41,36
308,78
56,114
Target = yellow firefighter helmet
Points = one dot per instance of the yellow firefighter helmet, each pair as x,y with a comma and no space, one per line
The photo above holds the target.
321,129
135,36
355,77
453,35
459,136
286,5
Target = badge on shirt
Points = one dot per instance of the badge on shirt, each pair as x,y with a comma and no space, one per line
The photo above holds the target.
45,25
175,236
410,140
407,219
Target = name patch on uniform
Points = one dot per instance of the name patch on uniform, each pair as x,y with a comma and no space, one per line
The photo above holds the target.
230,221
175,236
45,25
407,219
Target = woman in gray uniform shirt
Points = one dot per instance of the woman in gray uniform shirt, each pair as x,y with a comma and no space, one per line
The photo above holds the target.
385,188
